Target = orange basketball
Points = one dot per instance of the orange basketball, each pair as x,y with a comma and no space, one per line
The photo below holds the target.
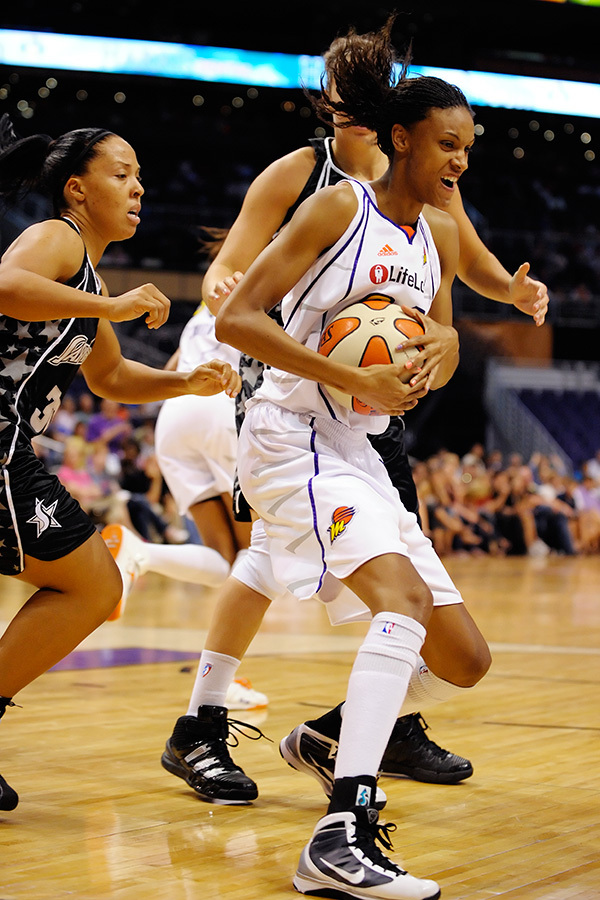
367,333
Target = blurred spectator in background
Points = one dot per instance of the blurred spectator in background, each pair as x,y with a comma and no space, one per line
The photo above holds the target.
142,480
75,476
110,424
591,467
65,419
85,407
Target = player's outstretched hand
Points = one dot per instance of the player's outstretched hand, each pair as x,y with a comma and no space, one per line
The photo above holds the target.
146,299
528,295
212,378
437,342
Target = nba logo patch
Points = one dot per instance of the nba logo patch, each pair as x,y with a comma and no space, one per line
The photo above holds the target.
340,519
388,627
206,669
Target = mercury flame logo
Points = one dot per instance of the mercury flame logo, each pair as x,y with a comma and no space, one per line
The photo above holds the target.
340,519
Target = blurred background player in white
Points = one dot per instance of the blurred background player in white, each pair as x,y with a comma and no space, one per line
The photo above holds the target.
268,205
196,446
196,450
184,562
56,319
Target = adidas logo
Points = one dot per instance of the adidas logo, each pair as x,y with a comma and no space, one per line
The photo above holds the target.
386,250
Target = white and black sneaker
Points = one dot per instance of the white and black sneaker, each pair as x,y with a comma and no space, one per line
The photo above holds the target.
197,751
313,753
342,860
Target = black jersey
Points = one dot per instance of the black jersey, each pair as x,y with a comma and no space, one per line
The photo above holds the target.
39,360
324,173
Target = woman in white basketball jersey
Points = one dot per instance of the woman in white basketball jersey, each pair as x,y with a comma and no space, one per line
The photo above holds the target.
55,319
303,458
268,205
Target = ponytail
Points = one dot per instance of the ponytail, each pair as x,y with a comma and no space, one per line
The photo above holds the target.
41,163
21,160
375,89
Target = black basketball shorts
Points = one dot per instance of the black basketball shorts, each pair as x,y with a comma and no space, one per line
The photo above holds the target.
38,516
391,448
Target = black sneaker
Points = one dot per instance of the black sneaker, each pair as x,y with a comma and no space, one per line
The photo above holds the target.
313,753
197,751
8,797
342,859
410,752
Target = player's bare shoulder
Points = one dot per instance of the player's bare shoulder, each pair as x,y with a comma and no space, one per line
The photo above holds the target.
331,208
340,198
287,175
439,220
51,248
443,228
321,219
50,231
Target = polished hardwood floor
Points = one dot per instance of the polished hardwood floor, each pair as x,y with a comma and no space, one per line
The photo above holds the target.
100,818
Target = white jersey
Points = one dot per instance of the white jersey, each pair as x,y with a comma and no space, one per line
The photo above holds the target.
198,343
373,254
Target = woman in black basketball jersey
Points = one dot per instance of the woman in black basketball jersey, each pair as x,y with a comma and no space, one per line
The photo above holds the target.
55,319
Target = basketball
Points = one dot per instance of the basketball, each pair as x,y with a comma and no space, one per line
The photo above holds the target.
366,334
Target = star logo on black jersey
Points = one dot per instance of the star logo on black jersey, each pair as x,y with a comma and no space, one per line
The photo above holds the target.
44,517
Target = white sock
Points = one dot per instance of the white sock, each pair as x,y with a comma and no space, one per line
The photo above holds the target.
376,691
425,689
215,673
187,562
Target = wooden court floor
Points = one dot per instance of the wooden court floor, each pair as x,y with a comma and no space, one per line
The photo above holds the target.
100,818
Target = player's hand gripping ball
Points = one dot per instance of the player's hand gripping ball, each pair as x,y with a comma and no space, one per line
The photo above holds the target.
367,333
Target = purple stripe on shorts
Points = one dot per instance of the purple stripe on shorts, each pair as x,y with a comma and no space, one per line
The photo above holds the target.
313,438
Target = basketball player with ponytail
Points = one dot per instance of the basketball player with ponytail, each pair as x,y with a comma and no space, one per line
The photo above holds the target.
273,197
55,319
302,456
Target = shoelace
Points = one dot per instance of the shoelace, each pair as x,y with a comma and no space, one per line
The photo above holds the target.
382,834
236,725
366,838
5,702
421,727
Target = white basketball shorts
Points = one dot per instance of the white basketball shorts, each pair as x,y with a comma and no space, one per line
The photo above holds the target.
326,505
196,446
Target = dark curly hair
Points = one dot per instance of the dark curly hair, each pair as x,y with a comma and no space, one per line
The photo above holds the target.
375,89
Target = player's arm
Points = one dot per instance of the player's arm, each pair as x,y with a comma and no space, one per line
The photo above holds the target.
483,272
243,320
109,374
32,272
439,358
36,265
266,202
